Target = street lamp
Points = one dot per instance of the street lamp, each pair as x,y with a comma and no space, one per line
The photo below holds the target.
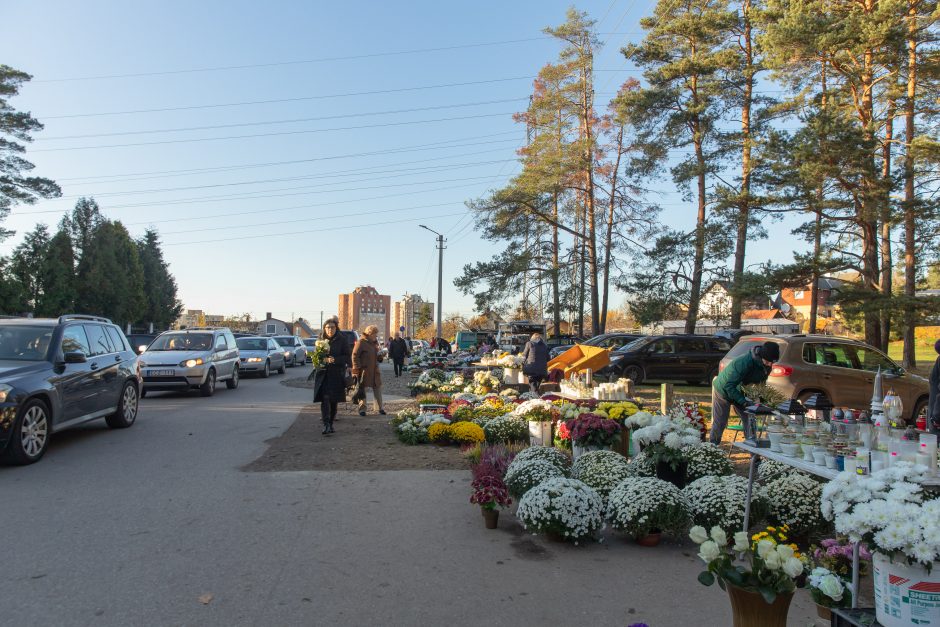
440,274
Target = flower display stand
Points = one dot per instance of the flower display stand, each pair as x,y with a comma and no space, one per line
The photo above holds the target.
905,594
749,609
540,433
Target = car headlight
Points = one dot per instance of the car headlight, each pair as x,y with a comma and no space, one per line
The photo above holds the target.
254,360
4,392
191,363
287,353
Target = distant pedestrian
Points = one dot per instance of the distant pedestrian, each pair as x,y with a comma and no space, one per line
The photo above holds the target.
535,361
752,367
398,350
443,345
365,363
329,384
933,405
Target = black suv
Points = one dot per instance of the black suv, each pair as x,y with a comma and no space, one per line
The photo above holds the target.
691,358
56,374
612,341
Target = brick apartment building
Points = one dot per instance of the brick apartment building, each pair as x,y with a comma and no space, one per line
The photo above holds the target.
364,306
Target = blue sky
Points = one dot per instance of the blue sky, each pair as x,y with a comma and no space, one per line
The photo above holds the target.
322,191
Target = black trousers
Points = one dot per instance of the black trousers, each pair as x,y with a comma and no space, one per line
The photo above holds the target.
399,366
534,383
328,409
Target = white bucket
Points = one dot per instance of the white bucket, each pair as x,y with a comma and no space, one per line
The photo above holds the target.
540,433
906,595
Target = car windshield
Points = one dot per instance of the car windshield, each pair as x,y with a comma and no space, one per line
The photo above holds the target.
182,342
252,344
284,341
310,341
24,343
632,346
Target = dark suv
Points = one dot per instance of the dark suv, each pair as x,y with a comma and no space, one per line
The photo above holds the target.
690,358
56,374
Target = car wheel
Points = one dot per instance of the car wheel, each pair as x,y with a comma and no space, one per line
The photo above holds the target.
233,382
266,371
634,373
128,404
208,388
30,436
281,369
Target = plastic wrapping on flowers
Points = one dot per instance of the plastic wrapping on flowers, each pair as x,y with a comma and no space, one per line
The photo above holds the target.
566,507
643,505
506,429
794,499
548,454
523,475
601,470
720,501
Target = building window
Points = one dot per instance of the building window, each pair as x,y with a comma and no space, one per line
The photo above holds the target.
270,328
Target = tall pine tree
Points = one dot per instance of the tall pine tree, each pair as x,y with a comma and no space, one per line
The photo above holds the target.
58,278
110,277
161,305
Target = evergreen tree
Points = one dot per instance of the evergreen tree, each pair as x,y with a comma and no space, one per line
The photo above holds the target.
110,277
26,264
12,295
58,278
16,186
162,307
81,224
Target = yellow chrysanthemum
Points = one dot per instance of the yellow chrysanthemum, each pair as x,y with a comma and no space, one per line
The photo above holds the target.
466,433
439,432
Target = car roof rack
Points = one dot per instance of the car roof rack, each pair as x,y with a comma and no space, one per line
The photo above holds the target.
68,317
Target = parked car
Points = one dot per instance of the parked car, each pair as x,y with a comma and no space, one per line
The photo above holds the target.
60,373
690,358
841,368
310,345
197,357
612,341
295,351
140,341
420,345
733,335
260,355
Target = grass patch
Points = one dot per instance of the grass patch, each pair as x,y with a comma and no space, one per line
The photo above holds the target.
923,354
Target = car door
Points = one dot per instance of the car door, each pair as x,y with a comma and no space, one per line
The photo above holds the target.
73,381
692,359
220,356
104,364
660,359
276,354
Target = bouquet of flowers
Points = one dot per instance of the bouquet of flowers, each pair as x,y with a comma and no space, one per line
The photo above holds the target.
601,470
510,361
537,411
593,430
764,564
524,474
887,510
566,507
835,555
321,351
828,589
489,492
483,382
643,505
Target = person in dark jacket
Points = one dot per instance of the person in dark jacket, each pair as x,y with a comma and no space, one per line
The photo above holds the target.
933,405
535,361
329,383
752,367
398,350
443,346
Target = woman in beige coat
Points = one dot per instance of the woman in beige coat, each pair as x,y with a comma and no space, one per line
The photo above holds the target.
365,363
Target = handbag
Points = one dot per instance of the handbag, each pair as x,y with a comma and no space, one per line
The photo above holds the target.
358,390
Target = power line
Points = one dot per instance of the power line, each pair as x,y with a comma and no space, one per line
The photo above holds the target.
281,133
224,68
374,92
288,121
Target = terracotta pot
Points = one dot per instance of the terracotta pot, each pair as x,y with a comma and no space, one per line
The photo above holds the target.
823,612
651,539
749,609
490,517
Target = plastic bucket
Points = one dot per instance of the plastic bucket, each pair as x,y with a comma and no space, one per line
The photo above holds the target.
906,595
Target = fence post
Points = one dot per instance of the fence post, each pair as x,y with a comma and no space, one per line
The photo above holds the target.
666,397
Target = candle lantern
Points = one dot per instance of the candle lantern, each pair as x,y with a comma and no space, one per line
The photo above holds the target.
820,405
795,412
894,409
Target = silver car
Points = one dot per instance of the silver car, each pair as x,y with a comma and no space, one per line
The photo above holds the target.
198,357
294,350
260,355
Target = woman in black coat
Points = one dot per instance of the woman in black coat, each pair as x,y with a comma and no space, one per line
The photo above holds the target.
535,361
329,383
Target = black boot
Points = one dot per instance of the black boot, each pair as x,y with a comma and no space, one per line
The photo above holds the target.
330,427
327,427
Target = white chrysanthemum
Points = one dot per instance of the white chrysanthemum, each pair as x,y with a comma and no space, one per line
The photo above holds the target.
567,507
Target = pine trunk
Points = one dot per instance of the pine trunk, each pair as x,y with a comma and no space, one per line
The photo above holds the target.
908,359
556,299
886,220
699,255
745,199
608,241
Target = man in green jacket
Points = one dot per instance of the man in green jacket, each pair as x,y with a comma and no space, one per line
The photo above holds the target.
752,367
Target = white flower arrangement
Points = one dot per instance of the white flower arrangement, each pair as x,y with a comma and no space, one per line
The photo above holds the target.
643,505
601,470
887,510
706,459
545,453
535,410
794,500
639,420
672,432
566,507
641,465
769,470
522,476
510,361
463,396
570,411
719,501
828,589
509,392
507,428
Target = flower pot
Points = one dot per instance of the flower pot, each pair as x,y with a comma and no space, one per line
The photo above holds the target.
824,612
677,477
749,609
905,593
650,539
490,517
540,433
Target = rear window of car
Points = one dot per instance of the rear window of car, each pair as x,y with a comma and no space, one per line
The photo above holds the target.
252,344
742,347
692,345
286,341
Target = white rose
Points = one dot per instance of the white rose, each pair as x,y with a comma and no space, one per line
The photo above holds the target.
741,542
832,587
784,551
698,534
793,567
765,548
719,536
709,551
772,561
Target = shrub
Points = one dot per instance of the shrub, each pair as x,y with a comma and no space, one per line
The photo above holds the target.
522,476
506,429
601,470
643,505
706,459
566,507
720,501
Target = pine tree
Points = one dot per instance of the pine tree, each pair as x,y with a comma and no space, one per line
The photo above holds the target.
26,264
81,224
16,186
162,307
110,277
58,278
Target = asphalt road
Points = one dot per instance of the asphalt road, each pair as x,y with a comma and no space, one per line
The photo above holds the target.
157,525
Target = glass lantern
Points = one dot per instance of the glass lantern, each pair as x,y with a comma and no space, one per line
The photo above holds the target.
894,410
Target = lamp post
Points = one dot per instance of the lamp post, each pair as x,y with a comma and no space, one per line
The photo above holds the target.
440,274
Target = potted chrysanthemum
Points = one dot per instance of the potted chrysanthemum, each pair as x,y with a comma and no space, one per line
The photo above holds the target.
591,432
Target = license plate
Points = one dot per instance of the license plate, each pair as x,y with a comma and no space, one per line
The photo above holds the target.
161,373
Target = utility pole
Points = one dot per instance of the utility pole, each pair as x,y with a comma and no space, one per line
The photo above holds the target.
440,275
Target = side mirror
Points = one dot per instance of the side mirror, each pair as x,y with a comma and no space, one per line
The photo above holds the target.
75,357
